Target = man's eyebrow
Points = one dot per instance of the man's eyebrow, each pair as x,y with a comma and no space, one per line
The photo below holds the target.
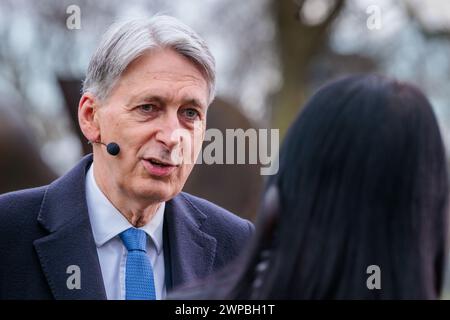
153,98
193,101
163,101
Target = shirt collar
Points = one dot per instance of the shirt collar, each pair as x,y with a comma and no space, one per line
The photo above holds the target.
107,222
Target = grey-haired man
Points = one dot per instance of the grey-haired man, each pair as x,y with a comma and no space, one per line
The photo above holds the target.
117,226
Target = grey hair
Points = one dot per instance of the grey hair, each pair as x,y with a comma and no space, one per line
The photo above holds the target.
125,41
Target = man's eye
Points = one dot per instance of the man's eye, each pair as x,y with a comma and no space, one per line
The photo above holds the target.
146,108
191,114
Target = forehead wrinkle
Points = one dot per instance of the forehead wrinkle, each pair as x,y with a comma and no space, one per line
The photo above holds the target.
177,77
171,77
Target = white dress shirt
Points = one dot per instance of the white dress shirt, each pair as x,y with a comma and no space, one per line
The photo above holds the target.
107,223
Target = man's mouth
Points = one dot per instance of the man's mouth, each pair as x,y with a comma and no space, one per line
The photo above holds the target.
159,167
162,163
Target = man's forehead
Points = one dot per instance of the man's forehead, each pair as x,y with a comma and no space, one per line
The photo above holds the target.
167,72
172,80
164,86
164,63
165,75
154,93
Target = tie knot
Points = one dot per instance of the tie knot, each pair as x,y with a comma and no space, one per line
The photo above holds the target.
134,239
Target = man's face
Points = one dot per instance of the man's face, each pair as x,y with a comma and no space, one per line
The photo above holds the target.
156,112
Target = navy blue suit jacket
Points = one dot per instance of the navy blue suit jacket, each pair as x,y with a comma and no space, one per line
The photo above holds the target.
44,230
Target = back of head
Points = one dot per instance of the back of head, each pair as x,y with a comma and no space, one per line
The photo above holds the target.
362,182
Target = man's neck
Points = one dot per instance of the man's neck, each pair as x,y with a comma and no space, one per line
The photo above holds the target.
138,214
139,218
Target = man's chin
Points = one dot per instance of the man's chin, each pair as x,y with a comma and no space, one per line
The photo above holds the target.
148,189
155,195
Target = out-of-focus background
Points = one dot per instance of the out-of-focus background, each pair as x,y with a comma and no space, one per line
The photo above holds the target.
271,56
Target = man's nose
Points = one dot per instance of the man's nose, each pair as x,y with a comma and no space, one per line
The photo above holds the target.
168,132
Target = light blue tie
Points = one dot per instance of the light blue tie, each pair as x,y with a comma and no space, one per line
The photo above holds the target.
139,282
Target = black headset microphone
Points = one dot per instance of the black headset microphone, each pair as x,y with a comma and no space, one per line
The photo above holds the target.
112,148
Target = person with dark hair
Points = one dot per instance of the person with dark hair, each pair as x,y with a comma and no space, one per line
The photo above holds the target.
362,188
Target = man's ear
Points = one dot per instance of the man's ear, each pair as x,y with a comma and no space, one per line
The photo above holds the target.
87,119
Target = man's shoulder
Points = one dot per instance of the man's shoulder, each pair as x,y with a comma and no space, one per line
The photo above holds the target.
17,204
218,217
24,197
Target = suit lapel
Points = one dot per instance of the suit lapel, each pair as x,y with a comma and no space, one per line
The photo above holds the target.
70,242
192,251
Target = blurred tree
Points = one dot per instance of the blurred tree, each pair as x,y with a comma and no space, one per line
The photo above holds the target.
20,162
303,29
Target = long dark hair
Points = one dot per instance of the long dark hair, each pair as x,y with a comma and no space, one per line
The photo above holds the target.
362,181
